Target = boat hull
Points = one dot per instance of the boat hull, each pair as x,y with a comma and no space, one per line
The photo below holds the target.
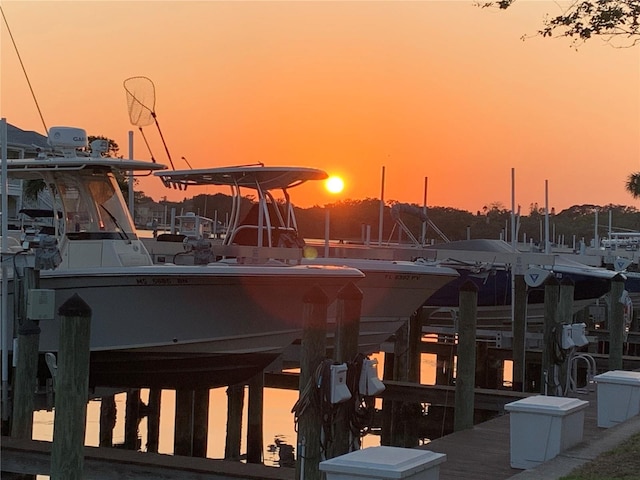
145,314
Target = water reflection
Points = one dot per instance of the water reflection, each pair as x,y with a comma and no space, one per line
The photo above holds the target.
279,429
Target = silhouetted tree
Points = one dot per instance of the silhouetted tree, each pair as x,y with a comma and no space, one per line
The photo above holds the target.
583,19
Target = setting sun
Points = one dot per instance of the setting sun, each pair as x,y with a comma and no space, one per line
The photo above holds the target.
334,184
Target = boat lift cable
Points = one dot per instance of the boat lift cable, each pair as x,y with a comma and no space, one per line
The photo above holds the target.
24,70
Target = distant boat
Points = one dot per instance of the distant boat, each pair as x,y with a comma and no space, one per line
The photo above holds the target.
494,282
392,290
154,325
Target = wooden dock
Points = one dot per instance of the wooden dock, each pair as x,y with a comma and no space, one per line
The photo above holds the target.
33,457
479,453
482,453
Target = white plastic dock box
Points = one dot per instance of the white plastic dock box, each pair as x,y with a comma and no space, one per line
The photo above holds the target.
541,427
384,463
618,396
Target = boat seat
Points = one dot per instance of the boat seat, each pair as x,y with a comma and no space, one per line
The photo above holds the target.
171,237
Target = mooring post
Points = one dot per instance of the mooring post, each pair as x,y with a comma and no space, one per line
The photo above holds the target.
132,419
200,422
235,405
616,323
519,331
466,371
400,374
153,420
387,405
183,437
72,390
107,420
412,412
415,345
565,315
255,419
26,362
314,338
551,299
346,349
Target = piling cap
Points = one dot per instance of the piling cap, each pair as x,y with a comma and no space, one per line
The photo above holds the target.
619,278
74,307
315,295
551,281
350,292
468,286
567,281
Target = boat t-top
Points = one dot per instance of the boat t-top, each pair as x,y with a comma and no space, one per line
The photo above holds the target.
152,324
392,290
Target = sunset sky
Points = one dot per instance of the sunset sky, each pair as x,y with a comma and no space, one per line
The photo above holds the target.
437,89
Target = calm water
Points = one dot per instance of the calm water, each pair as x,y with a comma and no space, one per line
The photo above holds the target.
278,421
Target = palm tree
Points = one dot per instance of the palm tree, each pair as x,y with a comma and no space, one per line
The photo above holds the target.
633,184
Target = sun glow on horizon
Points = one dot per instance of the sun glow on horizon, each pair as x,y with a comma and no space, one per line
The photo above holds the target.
334,184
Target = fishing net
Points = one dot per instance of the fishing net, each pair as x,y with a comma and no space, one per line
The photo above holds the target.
141,100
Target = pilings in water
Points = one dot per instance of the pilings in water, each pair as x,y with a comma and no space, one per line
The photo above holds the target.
466,367
314,335
191,422
519,330
551,299
349,303
72,389
616,323
27,361
235,406
255,416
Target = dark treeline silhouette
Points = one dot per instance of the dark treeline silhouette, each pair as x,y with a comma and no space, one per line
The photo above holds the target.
349,220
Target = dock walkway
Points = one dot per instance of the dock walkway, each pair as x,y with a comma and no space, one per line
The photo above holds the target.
482,453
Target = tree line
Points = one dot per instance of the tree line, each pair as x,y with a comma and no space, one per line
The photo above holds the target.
350,220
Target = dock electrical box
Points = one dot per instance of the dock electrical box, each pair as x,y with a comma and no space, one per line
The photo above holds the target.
41,304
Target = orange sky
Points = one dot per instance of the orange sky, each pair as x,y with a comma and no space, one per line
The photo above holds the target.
437,89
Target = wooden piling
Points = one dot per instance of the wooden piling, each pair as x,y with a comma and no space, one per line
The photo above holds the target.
551,298
132,420
387,405
616,323
414,345
26,362
183,437
153,420
466,371
235,406
565,315
314,334
255,419
346,349
349,303
72,390
412,412
519,331
107,420
398,421
200,422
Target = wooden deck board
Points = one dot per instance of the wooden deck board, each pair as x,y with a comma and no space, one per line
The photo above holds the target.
482,453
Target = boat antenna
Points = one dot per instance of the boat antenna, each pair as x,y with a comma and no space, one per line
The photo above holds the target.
141,101
24,70
187,162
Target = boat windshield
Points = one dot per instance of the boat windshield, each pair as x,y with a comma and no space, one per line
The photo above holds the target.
93,205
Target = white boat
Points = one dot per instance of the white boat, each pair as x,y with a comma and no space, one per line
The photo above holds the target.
392,290
157,325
